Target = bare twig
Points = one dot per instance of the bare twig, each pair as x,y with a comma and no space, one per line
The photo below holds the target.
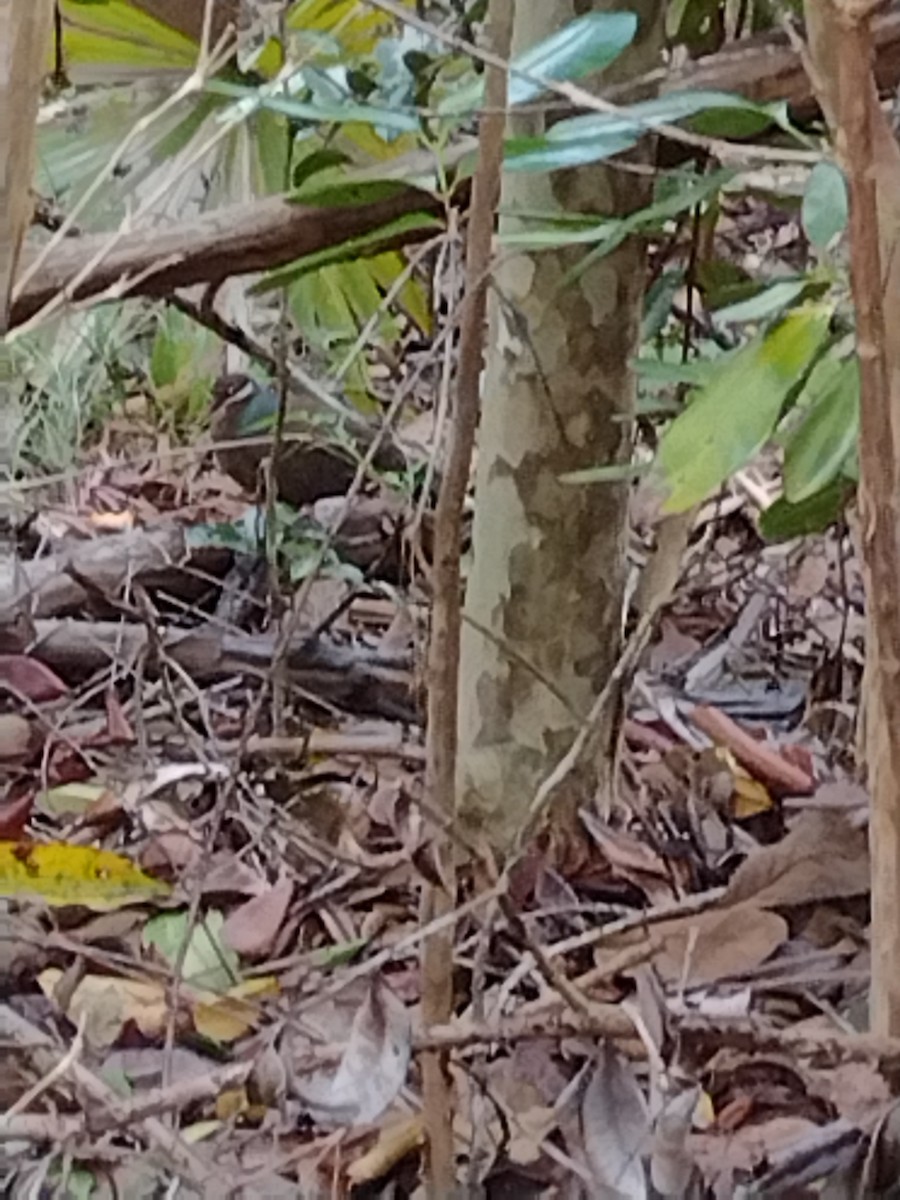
443,660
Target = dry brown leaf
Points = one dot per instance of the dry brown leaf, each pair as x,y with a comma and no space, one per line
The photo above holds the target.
823,857
717,944
105,1003
252,928
721,1156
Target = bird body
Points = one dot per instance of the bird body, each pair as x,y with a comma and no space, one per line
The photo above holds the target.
319,454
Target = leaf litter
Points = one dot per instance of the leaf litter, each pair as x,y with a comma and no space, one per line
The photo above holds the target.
261,986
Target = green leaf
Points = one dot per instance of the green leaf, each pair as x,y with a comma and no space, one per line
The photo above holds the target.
731,418
658,301
597,136
826,206
553,233
208,963
348,192
698,373
339,954
783,520
349,251
583,46
826,436
340,112
607,473
766,303
322,159
413,296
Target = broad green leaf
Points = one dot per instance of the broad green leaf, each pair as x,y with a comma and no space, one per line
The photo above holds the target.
742,122
61,874
583,46
827,433
597,136
208,963
766,303
825,206
783,520
357,28
731,418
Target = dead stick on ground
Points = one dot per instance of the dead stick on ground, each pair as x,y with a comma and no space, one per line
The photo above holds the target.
443,658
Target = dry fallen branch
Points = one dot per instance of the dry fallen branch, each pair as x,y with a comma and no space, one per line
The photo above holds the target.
360,679
237,240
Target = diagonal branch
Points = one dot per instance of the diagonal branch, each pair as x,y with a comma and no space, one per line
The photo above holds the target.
236,240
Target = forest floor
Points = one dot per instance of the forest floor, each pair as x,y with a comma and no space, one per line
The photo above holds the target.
215,844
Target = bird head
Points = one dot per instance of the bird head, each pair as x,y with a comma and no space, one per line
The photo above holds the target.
241,406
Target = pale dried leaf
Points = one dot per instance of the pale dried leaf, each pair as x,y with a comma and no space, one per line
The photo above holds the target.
614,1126
372,1068
15,736
671,1165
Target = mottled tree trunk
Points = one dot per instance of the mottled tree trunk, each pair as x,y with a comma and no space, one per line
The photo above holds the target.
549,564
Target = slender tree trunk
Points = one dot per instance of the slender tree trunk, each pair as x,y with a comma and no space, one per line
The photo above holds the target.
840,46
545,594
24,41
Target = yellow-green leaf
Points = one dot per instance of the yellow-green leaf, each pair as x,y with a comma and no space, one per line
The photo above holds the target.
119,35
730,419
60,874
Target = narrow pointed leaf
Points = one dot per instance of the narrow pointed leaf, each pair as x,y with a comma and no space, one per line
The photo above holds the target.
585,45
820,445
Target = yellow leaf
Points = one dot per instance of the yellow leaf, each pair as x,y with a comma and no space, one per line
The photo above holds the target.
64,874
394,1143
750,798
228,1017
